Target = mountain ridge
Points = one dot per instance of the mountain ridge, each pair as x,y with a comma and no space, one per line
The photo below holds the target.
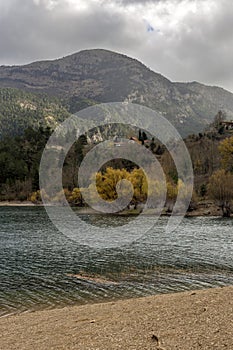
101,75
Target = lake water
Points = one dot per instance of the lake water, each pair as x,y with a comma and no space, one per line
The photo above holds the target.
37,261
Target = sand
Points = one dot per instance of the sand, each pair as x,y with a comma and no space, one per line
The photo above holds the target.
185,321
16,204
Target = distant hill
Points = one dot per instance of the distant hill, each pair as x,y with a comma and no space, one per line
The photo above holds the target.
98,75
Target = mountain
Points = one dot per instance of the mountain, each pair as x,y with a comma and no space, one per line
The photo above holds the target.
94,76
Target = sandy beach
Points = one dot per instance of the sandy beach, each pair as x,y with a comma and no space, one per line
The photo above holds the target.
16,204
185,321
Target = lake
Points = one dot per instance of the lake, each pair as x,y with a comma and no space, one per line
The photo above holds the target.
38,263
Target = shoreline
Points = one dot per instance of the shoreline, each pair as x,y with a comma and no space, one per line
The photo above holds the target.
200,319
19,204
204,209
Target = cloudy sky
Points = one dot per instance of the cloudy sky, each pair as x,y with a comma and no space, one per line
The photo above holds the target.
184,40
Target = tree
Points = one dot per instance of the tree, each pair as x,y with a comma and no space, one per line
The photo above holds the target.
153,146
139,135
106,183
203,190
221,190
139,182
75,198
143,186
226,151
217,125
144,136
79,146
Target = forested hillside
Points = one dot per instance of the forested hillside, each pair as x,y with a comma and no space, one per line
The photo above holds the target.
20,110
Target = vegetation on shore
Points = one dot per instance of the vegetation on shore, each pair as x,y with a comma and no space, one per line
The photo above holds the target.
211,154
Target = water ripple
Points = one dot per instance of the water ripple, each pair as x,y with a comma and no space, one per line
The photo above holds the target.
38,264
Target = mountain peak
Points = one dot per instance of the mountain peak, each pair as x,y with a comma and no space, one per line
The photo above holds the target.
102,75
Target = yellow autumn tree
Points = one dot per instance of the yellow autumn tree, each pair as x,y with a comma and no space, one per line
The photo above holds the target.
75,197
172,191
36,197
143,186
138,179
106,182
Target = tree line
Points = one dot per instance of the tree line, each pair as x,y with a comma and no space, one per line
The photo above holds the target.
20,158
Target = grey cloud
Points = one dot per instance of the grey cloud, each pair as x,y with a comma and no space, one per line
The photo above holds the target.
199,48
129,2
32,32
144,2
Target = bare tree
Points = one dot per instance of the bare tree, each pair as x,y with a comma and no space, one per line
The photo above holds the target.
221,190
